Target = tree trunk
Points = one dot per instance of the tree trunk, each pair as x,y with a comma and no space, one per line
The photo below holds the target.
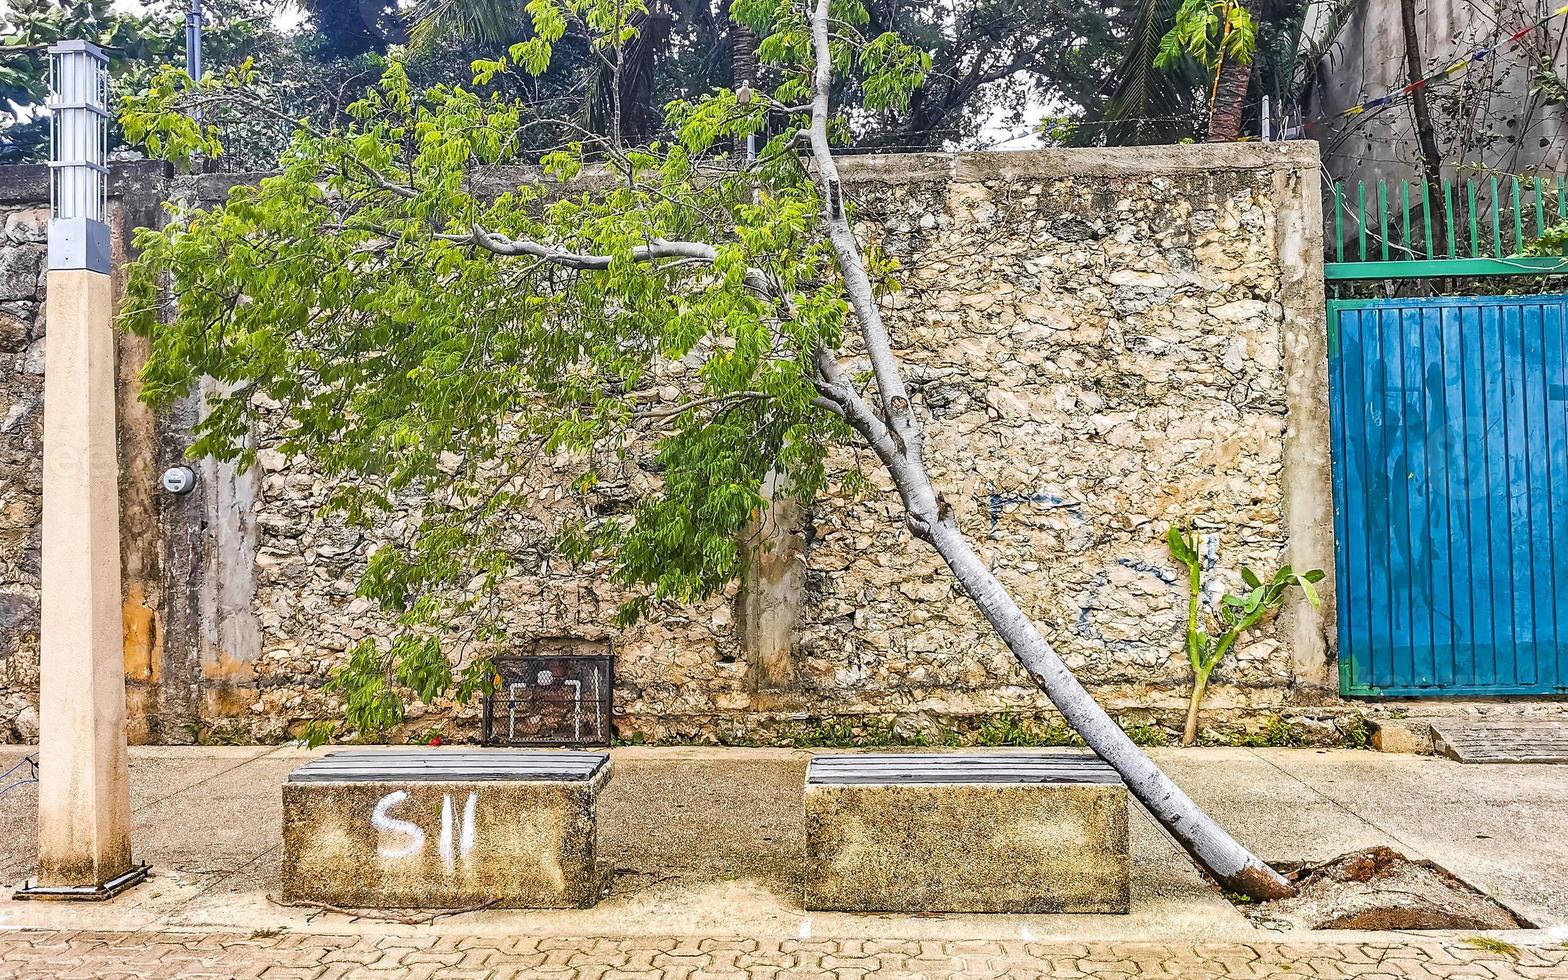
896,437
1207,842
1426,134
1230,92
743,72
743,55
1200,684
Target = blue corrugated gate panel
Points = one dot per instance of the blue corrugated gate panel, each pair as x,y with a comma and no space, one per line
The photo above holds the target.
1450,438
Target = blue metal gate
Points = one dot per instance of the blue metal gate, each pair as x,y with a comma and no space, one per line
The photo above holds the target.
1450,439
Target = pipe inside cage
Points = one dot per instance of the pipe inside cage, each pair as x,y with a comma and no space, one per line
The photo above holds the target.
550,700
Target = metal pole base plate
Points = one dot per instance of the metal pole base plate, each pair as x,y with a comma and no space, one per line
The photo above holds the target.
32,891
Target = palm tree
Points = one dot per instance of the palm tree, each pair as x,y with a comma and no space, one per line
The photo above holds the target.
1232,79
1183,53
1145,105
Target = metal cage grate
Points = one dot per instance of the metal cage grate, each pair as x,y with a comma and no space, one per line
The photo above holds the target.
550,699
78,130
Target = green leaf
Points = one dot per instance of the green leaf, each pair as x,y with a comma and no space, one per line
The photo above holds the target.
426,348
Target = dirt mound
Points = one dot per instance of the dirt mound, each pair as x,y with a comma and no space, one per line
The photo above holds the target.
1380,888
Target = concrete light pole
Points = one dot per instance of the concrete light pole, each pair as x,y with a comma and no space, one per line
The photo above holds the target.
84,810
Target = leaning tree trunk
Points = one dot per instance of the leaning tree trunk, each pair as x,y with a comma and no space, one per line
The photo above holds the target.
895,434
1207,842
1229,97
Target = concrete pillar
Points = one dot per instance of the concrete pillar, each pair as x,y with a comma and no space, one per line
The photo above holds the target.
1307,475
84,802
84,813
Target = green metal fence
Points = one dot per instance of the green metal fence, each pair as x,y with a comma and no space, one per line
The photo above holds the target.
1475,227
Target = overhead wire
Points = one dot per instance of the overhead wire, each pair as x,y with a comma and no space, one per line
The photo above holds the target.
1453,71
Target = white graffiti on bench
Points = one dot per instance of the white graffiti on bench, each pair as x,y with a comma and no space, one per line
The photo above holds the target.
452,844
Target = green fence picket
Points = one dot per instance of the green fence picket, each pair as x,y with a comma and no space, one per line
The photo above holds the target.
1475,224
1442,252
1382,217
1497,226
1448,215
1339,221
1361,216
1404,224
1540,207
1518,220
1426,218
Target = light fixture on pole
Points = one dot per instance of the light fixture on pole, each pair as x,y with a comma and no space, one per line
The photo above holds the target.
84,809
78,138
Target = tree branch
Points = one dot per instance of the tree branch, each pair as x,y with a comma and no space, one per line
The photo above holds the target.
734,396
656,250
857,284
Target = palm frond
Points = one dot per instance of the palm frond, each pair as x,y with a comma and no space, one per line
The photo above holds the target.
1146,104
485,21
1313,49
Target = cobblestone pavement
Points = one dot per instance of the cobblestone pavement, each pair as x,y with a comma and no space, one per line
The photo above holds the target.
65,955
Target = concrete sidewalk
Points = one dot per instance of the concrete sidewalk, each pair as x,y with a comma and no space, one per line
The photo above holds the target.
707,844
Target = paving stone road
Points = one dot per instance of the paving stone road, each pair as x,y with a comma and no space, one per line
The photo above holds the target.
70,955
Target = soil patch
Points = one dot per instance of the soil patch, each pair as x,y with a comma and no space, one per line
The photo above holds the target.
1379,889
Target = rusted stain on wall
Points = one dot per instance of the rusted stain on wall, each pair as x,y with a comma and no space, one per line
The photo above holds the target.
142,660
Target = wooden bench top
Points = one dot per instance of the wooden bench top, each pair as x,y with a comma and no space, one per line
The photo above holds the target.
984,767
448,765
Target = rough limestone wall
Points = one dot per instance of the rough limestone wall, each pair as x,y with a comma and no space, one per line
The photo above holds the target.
1098,352
23,231
1097,356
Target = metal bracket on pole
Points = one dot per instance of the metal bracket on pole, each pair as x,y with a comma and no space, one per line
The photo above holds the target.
31,892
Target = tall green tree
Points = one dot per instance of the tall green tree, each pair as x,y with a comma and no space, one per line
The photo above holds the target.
1146,104
1198,69
427,344
286,69
992,61
353,28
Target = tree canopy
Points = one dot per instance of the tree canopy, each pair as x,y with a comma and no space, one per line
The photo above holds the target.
382,336
294,74
992,60
426,343
996,66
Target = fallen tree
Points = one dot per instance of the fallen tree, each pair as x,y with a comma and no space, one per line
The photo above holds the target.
420,337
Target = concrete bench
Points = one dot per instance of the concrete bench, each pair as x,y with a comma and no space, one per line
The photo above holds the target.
994,832
444,828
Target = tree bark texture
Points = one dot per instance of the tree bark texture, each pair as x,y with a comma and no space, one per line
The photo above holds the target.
1426,133
1230,92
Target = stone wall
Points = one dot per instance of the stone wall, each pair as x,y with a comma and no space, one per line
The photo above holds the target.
23,233
1102,342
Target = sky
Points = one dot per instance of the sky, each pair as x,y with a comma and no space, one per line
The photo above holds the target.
286,15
